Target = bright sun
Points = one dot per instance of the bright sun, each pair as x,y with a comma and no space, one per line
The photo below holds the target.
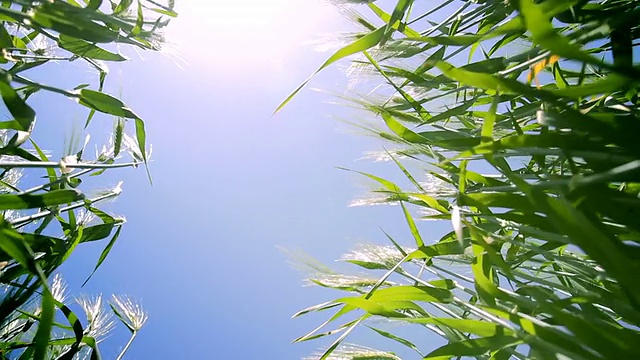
246,13
231,30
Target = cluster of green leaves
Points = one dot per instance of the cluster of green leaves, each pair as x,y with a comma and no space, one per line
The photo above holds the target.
40,227
544,254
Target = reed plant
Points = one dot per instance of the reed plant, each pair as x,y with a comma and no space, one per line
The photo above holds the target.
43,222
522,118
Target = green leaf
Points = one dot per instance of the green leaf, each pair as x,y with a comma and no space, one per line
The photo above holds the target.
141,137
497,200
122,319
384,16
123,6
94,4
609,84
402,131
139,21
396,16
386,183
13,244
375,308
412,226
479,80
472,347
98,232
85,49
52,198
5,39
569,141
484,276
539,24
105,103
592,238
438,249
546,337
366,42
413,293
561,82
45,325
489,121
476,327
24,66
51,173
78,331
22,113
104,254
69,20
393,337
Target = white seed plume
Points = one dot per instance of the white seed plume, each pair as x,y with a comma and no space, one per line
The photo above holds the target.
100,321
353,352
58,288
131,312
386,256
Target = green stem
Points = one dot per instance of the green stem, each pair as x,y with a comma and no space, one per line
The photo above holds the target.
60,180
22,221
53,164
126,347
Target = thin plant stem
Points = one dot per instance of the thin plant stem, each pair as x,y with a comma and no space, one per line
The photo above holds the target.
22,221
52,164
126,347
58,181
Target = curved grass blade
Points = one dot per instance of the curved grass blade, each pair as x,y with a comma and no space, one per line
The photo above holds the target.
85,49
45,324
52,198
104,254
366,42
472,347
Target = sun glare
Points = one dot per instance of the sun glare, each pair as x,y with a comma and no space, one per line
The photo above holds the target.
234,13
231,30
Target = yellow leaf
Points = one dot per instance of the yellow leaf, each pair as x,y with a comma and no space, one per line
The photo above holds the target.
539,66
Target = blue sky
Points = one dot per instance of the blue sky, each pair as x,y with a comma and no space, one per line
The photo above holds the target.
231,183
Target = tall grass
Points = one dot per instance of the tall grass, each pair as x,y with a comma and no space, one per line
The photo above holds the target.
539,140
42,224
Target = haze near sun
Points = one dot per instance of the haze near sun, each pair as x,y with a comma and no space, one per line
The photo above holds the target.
237,32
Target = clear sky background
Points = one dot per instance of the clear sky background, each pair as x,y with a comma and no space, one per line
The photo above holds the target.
231,183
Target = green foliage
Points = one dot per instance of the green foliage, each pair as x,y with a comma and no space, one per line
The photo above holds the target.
540,183
41,226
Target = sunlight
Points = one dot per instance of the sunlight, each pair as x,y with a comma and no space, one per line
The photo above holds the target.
235,32
247,14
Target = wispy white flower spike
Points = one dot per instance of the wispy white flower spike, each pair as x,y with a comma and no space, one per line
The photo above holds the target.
384,256
436,187
129,312
58,288
383,156
85,217
100,321
371,199
456,221
320,274
353,352
131,145
107,151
